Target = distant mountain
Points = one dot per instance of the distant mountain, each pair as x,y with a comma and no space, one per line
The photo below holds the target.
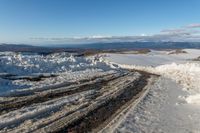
35,49
14,47
135,45
98,46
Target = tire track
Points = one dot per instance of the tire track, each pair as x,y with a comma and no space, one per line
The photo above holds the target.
111,95
98,114
20,102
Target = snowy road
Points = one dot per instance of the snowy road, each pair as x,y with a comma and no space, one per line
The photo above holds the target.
173,103
162,111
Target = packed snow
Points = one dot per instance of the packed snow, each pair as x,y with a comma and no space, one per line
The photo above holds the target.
159,112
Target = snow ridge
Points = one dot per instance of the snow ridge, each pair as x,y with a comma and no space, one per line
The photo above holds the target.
187,74
64,66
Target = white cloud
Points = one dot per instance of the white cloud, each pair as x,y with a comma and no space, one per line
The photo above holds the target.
185,33
197,25
173,31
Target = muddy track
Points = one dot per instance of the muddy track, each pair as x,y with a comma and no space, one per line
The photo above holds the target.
91,105
46,96
97,115
51,87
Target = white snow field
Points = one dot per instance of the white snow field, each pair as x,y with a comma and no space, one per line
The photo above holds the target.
173,103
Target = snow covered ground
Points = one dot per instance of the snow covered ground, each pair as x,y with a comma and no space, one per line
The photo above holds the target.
64,67
173,104
162,111
154,58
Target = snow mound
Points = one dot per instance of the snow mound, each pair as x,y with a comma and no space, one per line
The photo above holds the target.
19,64
193,99
64,67
187,74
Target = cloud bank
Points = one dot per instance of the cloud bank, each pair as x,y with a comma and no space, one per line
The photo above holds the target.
188,33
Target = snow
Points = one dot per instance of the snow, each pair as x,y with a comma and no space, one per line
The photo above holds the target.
64,66
178,67
153,58
187,74
172,105
193,99
34,110
19,64
159,112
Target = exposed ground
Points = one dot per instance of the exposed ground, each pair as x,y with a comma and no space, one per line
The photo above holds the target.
177,51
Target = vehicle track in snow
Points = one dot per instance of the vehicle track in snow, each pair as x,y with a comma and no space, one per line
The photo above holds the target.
39,97
98,102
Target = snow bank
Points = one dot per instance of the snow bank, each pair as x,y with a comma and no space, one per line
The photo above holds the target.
193,99
176,67
188,75
19,64
66,67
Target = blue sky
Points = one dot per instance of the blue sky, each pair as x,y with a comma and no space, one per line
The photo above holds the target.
38,21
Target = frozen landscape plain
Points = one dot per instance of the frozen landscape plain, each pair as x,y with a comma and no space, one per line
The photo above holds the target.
41,92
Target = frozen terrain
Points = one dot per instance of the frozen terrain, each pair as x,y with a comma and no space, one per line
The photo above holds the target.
162,111
153,92
64,93
173,103
19,71
154,58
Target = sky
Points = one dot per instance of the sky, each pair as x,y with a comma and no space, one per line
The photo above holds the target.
82,21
